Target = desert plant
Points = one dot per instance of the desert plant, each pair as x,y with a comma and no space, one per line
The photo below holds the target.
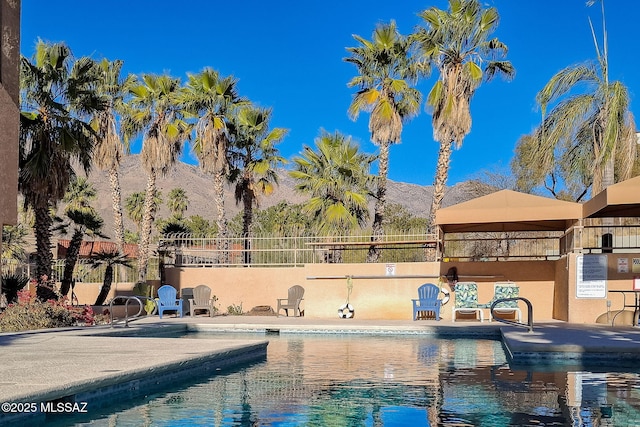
11,284
235,310
144,289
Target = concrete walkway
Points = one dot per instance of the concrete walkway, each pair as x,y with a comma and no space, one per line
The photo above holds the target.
91,364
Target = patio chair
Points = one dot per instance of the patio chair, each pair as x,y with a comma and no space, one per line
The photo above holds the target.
467,300
167,300
292,301
427,301
201,300
505,290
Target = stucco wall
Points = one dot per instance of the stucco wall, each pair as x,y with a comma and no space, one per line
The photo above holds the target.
549,285
9,110
535,278
587,310
383,297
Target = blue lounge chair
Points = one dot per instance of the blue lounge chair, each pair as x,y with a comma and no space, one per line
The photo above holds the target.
167,300
467,300
427,301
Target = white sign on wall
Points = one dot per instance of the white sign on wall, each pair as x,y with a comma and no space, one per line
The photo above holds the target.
390,269
623,265
591,276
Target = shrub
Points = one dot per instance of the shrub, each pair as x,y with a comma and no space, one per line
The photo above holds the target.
28,313
11,284
235,310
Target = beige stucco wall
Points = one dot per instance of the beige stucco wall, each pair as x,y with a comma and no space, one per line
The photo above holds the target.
383,297
535,278
587,310
9,110
549,285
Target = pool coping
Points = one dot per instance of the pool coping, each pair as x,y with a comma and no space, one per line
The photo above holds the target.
136,365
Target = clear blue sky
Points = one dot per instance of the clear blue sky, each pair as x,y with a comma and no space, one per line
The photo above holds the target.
288,55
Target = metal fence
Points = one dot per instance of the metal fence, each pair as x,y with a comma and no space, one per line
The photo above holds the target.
400,246
84,272
268,250
603,239
502,246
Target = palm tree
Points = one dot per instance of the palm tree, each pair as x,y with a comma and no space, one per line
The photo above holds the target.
586,118
387,71
213,99
134,205
153,112
58,99
255,159
109,148
457,43
108,259
14,243
178,202
336,178
84,220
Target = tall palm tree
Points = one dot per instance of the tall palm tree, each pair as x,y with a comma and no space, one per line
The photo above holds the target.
58,100
586,116
386,72
152,111
213,99
457,42
336,178
83,220
255,159
109,148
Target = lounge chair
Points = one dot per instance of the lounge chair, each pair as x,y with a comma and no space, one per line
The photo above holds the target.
427,301
292,301
167,300
467,300
201,300
505,290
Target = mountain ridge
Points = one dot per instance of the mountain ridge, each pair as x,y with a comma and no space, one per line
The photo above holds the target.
199,189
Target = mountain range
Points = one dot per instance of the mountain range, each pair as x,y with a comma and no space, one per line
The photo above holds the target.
199,189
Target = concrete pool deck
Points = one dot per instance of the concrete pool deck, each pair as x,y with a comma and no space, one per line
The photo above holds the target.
91,364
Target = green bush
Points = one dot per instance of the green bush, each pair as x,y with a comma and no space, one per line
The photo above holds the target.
235,310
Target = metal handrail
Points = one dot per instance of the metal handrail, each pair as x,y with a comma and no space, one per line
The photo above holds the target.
128,299
529,323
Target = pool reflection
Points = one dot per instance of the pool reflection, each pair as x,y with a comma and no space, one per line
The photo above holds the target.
392,381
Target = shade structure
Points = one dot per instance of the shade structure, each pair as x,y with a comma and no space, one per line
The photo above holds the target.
508,210
618,200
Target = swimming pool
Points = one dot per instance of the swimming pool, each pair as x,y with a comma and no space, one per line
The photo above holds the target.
332,380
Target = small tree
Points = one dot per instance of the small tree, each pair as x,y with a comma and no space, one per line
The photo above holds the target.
108,259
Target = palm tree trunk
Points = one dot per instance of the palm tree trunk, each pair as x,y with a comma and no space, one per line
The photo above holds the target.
247,219
147,222
116,199
118,218
439,185
70,261
106,285
221,220
44,257
381,199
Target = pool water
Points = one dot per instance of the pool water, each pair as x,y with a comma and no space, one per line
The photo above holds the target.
342,381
